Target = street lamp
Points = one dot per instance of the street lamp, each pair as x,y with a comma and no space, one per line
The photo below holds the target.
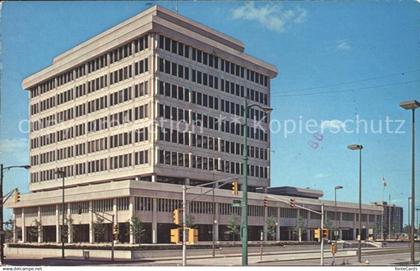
62,174
355,147
412,105
335,209
2,169
244,204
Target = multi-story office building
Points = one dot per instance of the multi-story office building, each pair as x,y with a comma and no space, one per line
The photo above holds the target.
133,112
393,220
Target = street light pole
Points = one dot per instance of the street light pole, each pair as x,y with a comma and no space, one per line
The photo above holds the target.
244,203
335,211
62,174
359,148
2,169
412,105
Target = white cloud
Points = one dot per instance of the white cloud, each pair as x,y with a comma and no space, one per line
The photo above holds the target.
321,176
332,125
270,16
343,45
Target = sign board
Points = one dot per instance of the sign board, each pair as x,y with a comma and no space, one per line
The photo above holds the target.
236,203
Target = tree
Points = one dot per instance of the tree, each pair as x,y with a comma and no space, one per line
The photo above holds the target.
271,227
99,230
190,223
67,222
233,227
34,230
8,230
300,227
136,227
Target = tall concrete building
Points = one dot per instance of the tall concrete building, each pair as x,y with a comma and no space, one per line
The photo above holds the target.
132,113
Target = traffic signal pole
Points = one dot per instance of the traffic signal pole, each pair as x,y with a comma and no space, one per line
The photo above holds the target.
293,204
184,228
322,234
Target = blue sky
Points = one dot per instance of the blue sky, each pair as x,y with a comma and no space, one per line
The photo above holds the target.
336,61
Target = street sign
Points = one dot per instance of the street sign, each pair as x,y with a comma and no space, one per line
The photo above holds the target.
236,203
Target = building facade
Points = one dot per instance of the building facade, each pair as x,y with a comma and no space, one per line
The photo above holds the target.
393,220
139,109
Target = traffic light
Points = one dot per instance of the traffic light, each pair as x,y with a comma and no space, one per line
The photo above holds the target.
317,234
265,202
192,236
16,196
333,248
176,217
115,231
325,233
235,188
175,236
292,202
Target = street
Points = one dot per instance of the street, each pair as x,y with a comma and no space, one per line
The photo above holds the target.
394,254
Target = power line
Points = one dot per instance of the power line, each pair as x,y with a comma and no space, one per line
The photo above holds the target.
346,82
346,90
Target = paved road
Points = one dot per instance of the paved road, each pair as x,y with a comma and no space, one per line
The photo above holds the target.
369,260
291,257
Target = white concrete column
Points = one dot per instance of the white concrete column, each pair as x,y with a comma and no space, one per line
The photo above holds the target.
91,232
300,230
131,207
114,210
115,213
354,227
57,224
23,226
14,231
154,215
69,225
39,229
278,225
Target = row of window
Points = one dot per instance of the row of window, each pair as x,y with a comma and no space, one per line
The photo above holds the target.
200,120
179,159
97,104
96,145
101,61
211,60
116,119
93,85
202,99
168,205
121,161
209,143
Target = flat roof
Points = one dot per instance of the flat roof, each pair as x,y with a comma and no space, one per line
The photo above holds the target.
143,22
